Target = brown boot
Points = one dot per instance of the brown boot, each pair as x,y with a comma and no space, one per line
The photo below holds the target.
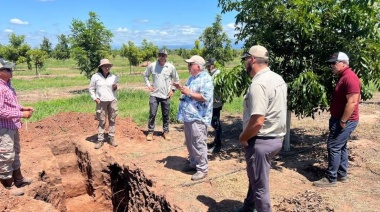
19,180
113,142
13,190
99,144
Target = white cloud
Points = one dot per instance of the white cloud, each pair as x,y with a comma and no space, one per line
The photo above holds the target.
142,21
18,21
230,26
8,30
122,29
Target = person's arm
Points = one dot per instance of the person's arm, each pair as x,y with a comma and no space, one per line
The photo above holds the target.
7,113
253,127
92,89
147,73
352,101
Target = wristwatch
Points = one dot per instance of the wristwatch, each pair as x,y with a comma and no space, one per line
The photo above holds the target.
343,122
189,95
173,89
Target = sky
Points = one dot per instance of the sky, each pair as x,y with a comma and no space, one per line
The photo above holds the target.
170,23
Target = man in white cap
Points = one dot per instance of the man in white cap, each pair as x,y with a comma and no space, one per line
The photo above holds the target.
163,74
264,125
195,110
344,110
10,121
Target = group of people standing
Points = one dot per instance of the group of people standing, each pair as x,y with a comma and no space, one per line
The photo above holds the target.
264,117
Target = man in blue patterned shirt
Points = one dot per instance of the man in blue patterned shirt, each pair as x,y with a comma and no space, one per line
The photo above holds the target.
195,110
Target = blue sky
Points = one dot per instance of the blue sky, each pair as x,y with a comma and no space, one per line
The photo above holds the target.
166,22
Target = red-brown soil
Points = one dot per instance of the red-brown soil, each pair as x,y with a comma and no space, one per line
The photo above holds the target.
70,175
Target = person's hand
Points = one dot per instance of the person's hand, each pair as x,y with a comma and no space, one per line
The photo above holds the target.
177,85
114,86
170,94
97,101
27,114
343,125
27,109
185,90
244,143
151,88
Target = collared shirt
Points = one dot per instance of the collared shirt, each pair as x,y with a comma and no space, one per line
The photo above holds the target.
192,110
267,96
217,101
101,87
10,110
162,76
348,83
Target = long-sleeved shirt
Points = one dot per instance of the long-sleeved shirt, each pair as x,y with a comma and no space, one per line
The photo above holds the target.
162,76
193,110
101,88
10,109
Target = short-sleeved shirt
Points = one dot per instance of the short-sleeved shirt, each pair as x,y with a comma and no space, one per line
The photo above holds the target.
267,96
10,109
162,77
193,110
348,83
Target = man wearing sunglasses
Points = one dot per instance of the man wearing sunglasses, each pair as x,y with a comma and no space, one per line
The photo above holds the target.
163,74
344,110
264,125
10,121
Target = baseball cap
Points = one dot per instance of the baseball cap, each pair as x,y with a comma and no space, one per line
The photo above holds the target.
163,51
196,59
210,61
338,56
256,51
6,64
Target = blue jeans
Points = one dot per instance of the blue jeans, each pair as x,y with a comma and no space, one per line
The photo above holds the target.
337,148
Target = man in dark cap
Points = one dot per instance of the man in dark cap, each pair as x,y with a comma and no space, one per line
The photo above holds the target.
163,74
10,121
344,110
216,145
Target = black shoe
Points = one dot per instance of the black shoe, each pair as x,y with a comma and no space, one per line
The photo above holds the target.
211,145
217,148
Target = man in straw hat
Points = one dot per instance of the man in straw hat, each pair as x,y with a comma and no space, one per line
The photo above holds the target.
10,121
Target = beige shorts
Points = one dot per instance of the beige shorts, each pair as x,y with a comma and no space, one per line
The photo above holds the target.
9,152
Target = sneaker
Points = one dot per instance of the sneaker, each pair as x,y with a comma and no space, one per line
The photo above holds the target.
342,179
198,176
149,137
99,144
14,191
166,136
324,182
188,168
113,142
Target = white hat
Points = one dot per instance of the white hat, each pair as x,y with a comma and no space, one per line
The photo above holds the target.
196,59
339,56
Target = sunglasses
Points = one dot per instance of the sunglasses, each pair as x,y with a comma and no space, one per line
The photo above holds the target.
161,55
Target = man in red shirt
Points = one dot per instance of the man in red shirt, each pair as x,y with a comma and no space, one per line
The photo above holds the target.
10,121
344,110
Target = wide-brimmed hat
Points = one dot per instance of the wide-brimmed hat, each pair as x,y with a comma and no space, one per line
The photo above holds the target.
256,51
6,64
104,62
196,59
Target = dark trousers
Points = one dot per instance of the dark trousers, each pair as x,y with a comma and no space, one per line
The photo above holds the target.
258,156
215,123
337,148
165,109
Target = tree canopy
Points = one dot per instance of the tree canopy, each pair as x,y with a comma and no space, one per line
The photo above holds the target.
90,42
301,35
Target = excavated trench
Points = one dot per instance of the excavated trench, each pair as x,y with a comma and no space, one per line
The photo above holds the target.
77,179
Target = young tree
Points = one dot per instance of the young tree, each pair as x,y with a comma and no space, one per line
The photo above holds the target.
62,49
216,43
197,48
37,58
90,42
148,50
46,46
17,50
131,52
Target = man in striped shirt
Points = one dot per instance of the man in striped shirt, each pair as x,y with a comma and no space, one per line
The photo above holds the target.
10,121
